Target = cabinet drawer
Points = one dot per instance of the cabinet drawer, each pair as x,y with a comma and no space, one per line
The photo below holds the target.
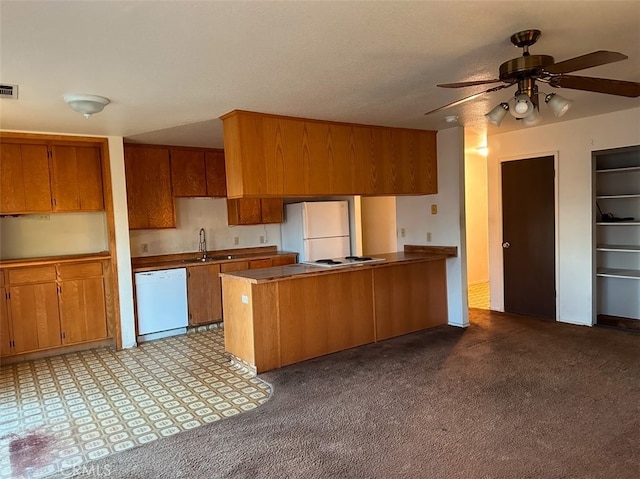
260,263
283,259
79,270
235,266
37,274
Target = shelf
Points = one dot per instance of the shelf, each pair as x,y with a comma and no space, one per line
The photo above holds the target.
616,197
621,248
619,170
618,273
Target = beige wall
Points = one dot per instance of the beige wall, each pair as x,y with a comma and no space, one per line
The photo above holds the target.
193,214
31,236
573,142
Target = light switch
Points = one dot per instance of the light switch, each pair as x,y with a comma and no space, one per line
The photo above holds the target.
434,209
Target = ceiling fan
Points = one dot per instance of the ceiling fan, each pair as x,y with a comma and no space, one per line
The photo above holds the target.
528,69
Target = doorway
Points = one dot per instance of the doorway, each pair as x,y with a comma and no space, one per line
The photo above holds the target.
528,235
476,199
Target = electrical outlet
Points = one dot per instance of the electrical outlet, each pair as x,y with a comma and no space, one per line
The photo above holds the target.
429,237
262,240
145,247
44,217
434,209
403,233
236,240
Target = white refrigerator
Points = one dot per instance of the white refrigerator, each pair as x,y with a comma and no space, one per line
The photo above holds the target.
317,230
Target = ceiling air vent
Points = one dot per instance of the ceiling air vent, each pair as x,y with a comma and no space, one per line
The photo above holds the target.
8,91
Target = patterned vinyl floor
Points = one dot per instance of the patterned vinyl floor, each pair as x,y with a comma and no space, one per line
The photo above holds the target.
479,296
59,413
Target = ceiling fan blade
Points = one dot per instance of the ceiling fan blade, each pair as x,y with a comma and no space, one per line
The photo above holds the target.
599,85
468,83
470,97
593,59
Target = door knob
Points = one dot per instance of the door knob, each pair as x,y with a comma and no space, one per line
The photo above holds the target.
506,244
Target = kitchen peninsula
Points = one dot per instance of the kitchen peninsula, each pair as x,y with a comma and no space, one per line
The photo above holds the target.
283,315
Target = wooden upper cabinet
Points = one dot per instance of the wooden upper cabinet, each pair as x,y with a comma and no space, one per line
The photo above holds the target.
24,178
188,175
244,212
255,211
76,178
198,172
215,171
149,196
272,210
273,156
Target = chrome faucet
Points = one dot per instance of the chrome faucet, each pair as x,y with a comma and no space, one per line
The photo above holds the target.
202,246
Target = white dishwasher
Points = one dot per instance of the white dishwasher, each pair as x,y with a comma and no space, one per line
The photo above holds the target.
161,301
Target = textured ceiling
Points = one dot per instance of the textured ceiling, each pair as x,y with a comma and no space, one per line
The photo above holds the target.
172,68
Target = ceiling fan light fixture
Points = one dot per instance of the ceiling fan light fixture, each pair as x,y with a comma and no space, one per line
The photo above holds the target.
559,105
522,106
496,115
86,104
532,118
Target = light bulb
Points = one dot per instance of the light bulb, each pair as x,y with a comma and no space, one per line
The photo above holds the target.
521,106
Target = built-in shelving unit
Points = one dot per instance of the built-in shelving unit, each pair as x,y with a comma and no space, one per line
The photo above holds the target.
617,236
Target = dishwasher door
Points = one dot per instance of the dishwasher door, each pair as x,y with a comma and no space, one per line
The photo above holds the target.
161,300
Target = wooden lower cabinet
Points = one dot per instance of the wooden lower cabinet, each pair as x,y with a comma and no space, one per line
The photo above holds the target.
410,298
82,310
204,289
5,329
311,325
290,318
235,266
35,319
204,294
52,306
261,263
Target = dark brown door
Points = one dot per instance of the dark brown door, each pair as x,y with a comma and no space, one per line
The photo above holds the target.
528,235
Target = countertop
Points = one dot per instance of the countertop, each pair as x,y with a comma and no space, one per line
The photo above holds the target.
183,260
74,258
279,273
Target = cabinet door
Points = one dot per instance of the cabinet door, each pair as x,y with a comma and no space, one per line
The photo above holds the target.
216,174
272,210
34,317
204,294
82,310
76,178
149,198
426,163
5,331
188,174
24,178
246,211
